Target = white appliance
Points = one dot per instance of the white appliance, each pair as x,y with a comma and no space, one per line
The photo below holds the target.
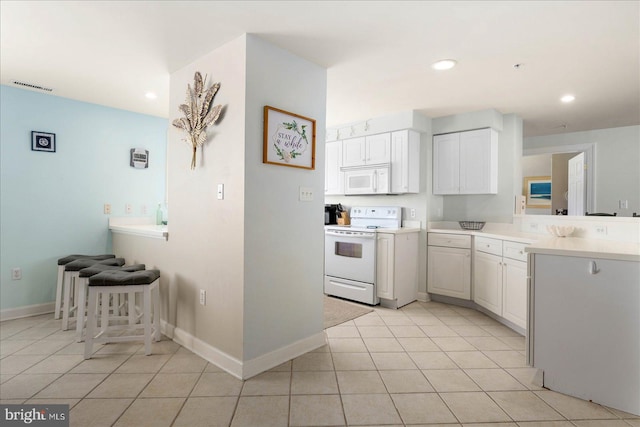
367,181
350,253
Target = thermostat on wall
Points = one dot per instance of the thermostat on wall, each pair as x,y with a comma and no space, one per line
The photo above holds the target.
139,158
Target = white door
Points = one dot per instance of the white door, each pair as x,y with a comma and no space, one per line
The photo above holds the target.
576,194
478,162
449,271
378,149
487,282
334,177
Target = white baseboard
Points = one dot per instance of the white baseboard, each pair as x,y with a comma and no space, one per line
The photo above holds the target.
277,357
237,368
26,311
423,296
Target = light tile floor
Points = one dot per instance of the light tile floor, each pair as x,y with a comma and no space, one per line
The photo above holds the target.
426,364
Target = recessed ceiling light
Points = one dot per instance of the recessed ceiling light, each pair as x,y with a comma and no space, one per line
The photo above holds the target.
567,98
151,95
444,64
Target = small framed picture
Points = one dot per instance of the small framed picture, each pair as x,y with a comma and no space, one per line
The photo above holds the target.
289,139
43,141
537,189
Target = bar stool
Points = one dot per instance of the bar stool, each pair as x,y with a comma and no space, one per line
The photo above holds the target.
110,282
81,292
70,291
59,285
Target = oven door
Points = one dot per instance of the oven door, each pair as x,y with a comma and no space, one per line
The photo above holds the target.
350,255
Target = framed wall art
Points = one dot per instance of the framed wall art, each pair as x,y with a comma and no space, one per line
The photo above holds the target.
289,139
537,190
43,141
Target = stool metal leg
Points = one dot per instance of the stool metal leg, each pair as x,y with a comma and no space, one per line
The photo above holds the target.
147,319
66,303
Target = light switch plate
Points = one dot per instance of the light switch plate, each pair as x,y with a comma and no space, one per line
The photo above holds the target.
306,194
220,193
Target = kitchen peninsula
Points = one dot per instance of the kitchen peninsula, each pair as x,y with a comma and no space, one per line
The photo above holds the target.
584,319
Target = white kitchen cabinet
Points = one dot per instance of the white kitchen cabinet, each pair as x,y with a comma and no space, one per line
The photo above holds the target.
333,175
585,332
397,268
466,162
487,281
405,162
514,283
368,150
449,265
500,278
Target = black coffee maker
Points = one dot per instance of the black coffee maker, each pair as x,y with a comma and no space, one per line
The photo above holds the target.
331,213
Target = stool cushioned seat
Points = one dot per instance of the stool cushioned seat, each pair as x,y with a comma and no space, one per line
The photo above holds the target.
66,260
79,264
123,278
99,268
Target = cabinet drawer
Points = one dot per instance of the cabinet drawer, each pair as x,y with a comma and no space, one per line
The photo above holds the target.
488,245
514,250
449,240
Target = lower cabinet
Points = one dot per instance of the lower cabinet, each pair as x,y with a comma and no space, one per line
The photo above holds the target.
449,265
397,268
500,278
487,281
514,291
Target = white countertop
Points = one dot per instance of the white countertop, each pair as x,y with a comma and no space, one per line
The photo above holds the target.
586,248
138,227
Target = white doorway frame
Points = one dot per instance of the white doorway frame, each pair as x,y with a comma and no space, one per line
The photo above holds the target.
589,151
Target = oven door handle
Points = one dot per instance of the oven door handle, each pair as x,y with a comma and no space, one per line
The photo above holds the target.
354,236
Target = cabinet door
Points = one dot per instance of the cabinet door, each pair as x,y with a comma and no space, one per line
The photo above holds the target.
514,291
384,265
446,164
378,149
449,271
487,281
405,162
334,177
479,162
353,152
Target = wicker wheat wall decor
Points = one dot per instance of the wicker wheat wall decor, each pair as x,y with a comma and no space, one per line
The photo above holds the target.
198,113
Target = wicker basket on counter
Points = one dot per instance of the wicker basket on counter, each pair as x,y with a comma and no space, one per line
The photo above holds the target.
471,225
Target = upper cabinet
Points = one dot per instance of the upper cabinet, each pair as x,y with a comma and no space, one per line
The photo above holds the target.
405,162
333,176
368,150
387,163
466,162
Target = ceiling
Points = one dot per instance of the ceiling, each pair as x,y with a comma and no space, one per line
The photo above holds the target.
378,54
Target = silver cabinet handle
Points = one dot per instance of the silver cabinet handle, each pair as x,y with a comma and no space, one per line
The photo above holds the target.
593,268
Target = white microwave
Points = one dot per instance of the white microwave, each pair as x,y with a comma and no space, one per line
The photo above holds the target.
367,181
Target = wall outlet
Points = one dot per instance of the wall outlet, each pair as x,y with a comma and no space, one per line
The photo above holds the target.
623,204
220,192
412,213
305,194
16,273
601,230
203,297
107,208
533,226
143,209
128,208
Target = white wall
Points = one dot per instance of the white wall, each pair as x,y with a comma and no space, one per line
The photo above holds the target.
206,235
617,156
283,238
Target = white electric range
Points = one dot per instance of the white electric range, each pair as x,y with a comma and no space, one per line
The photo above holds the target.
350,253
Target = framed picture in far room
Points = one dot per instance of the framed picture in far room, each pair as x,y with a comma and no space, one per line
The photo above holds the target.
289,139
537,190
43,141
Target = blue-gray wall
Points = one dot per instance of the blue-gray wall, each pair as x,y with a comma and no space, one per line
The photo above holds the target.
52,203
